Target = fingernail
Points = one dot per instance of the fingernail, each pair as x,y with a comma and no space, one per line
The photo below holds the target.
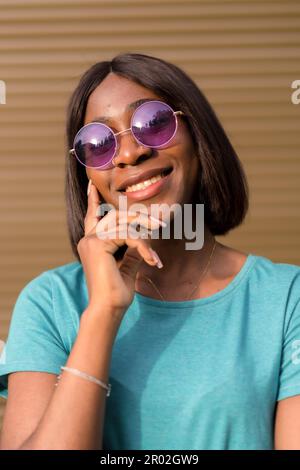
162,222
89,187
156,258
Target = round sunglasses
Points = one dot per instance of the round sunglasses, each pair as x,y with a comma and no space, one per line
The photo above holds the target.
153,124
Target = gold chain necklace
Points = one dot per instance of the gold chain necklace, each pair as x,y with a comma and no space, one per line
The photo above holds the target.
197,285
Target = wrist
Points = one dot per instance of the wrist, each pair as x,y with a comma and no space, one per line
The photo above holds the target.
106,314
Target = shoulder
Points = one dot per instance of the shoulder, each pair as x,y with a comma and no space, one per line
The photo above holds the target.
272,271
70,273
277,284
68,287
264,273
67,274
57,289
51,303
258,268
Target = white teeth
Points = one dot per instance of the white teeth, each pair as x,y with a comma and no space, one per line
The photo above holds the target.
144,184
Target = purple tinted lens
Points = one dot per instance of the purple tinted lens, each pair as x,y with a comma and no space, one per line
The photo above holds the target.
154,124
95,145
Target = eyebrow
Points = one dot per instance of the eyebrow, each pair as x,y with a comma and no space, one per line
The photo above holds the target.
130,106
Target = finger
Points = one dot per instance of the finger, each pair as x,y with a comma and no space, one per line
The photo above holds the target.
112,242
146,212
147,221
144,249
123,231
92,217
114,217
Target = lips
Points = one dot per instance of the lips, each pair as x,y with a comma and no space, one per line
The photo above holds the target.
140,177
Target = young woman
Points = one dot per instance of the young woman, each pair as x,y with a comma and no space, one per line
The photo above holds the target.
200,348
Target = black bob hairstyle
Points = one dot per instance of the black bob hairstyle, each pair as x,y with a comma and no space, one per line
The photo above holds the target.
223,186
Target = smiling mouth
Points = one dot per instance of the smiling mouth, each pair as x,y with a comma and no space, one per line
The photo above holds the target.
147,183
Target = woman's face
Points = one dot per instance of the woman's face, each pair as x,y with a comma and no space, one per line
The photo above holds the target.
110,99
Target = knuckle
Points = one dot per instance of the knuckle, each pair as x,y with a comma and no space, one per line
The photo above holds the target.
84,241
80,244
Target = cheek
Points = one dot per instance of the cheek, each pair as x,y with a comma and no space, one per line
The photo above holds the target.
185,143
189,158
100,180
179,140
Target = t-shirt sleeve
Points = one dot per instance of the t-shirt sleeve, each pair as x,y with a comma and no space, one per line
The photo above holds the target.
289,380
34,342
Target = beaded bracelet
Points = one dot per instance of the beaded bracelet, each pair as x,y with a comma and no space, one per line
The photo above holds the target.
91,378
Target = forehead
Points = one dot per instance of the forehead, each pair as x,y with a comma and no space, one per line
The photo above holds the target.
112,97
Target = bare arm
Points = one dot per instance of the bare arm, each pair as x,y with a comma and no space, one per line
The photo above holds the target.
71,415
29,393
287,424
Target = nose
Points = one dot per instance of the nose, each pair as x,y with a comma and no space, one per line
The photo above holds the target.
129,151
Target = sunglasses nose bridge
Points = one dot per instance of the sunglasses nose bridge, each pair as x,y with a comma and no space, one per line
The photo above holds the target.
124,132
130,152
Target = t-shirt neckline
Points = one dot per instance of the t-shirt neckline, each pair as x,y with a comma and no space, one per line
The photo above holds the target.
167,304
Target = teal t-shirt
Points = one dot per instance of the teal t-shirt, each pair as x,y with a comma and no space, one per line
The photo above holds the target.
197,374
